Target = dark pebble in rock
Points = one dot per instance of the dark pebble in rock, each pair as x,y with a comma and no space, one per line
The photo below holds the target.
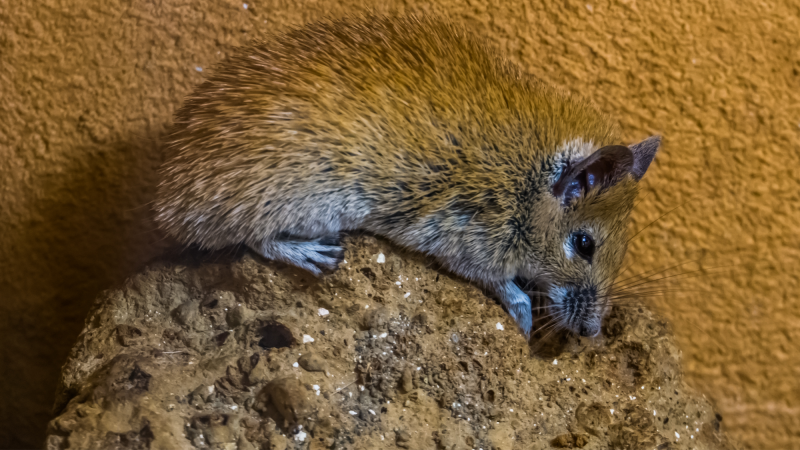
407,379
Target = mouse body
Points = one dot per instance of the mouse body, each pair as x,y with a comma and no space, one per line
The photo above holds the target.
414,129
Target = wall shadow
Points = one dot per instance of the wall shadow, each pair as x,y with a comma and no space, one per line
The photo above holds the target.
90,226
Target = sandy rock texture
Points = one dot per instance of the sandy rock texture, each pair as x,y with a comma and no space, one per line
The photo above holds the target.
88,87
239,353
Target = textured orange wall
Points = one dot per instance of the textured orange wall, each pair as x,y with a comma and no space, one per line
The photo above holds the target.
87,87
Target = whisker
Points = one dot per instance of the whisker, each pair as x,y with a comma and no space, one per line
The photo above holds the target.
653,290
699,272
622,285
656,271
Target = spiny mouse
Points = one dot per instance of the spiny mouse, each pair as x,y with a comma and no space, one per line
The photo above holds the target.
414,129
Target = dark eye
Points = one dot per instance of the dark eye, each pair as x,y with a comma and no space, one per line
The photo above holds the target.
584,245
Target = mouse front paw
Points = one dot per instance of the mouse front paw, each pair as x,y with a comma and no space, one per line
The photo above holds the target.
521,313
518,305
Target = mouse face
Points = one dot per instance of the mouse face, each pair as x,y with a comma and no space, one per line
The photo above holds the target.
585,232
590,245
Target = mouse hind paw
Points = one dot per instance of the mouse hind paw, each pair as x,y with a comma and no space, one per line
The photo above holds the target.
312,255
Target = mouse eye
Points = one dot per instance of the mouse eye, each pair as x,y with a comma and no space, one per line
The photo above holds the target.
584,245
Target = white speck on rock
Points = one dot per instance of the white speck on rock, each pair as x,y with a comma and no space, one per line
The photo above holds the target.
555,362
301,435
307,339
381,258
398,283
499,326
677,436
323,312
408,294
295,365
198,68
383,335
353,413
371,412
211,389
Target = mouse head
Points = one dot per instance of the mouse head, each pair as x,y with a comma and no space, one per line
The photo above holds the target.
592,198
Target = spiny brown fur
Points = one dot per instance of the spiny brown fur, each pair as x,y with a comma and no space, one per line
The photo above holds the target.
408,127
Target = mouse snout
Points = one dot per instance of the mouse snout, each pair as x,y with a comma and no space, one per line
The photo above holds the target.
580,310
588,330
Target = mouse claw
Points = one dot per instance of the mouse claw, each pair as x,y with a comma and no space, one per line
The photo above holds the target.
521,313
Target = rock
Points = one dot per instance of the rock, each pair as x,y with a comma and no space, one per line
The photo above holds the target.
312,362
407,379
187,314
277,442
244,444
570,440
289,398
594,418
259,373
403,439
377,318
218,434
238,315
238,376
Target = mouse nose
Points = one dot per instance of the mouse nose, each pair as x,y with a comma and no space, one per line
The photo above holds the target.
588,330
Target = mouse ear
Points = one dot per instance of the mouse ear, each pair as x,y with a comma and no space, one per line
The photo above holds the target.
601,169
643,154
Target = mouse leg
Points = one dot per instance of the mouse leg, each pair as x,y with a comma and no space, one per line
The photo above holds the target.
516,302
311,255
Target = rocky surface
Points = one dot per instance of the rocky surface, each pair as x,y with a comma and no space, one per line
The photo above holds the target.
234,352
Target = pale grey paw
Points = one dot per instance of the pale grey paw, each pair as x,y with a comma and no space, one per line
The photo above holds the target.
518,305
313,256
521,313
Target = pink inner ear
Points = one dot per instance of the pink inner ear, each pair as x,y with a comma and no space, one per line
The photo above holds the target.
612,164
606,166
603,168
